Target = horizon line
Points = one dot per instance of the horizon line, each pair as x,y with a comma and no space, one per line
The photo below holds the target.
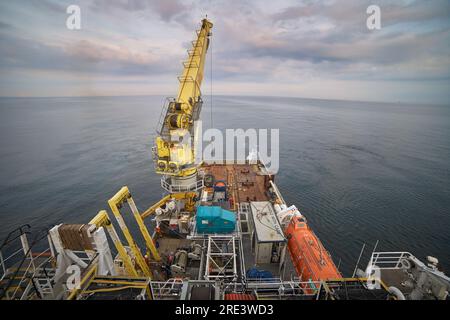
225,95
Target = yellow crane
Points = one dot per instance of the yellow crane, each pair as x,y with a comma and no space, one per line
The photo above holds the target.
174,151
174,158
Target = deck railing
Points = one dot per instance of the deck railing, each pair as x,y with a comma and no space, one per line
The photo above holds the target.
171,188
22,270
389,260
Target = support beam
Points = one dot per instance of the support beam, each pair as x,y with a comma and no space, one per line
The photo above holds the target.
117,200
148,239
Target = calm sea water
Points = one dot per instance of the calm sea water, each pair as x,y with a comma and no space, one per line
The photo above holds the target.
359,171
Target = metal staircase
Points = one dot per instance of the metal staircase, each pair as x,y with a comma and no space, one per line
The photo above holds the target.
24,274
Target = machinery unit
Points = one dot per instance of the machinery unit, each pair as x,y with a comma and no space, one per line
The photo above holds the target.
220,192
268,239
180,262
183,224
196,252
214,219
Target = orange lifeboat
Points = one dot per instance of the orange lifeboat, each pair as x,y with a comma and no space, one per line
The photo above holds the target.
310,258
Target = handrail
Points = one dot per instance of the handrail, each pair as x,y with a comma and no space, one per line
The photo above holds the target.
13,254
34,267
162,115
194,186
388,260
7,240
164,288
4,290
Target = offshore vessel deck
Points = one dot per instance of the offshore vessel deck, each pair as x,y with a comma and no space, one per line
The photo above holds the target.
252,260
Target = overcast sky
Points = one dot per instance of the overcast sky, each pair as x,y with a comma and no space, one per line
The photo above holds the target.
318,49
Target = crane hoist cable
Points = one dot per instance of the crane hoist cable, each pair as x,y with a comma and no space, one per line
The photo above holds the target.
211,79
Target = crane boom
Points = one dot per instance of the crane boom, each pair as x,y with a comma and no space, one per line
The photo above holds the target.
192,77
174,150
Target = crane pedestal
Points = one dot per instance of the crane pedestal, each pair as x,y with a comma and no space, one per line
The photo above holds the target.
176,184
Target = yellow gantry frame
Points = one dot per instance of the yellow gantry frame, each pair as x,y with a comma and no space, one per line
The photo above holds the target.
124,195
102,220
115,202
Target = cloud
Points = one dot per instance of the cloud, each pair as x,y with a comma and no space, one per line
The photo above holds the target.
333,36
48,6
81,56
285,43
166,10
392,12
4,25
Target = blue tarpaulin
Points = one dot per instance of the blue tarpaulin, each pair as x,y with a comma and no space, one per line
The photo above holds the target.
258,274
214,219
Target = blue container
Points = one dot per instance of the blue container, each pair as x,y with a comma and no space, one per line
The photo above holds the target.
214,219
254,273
